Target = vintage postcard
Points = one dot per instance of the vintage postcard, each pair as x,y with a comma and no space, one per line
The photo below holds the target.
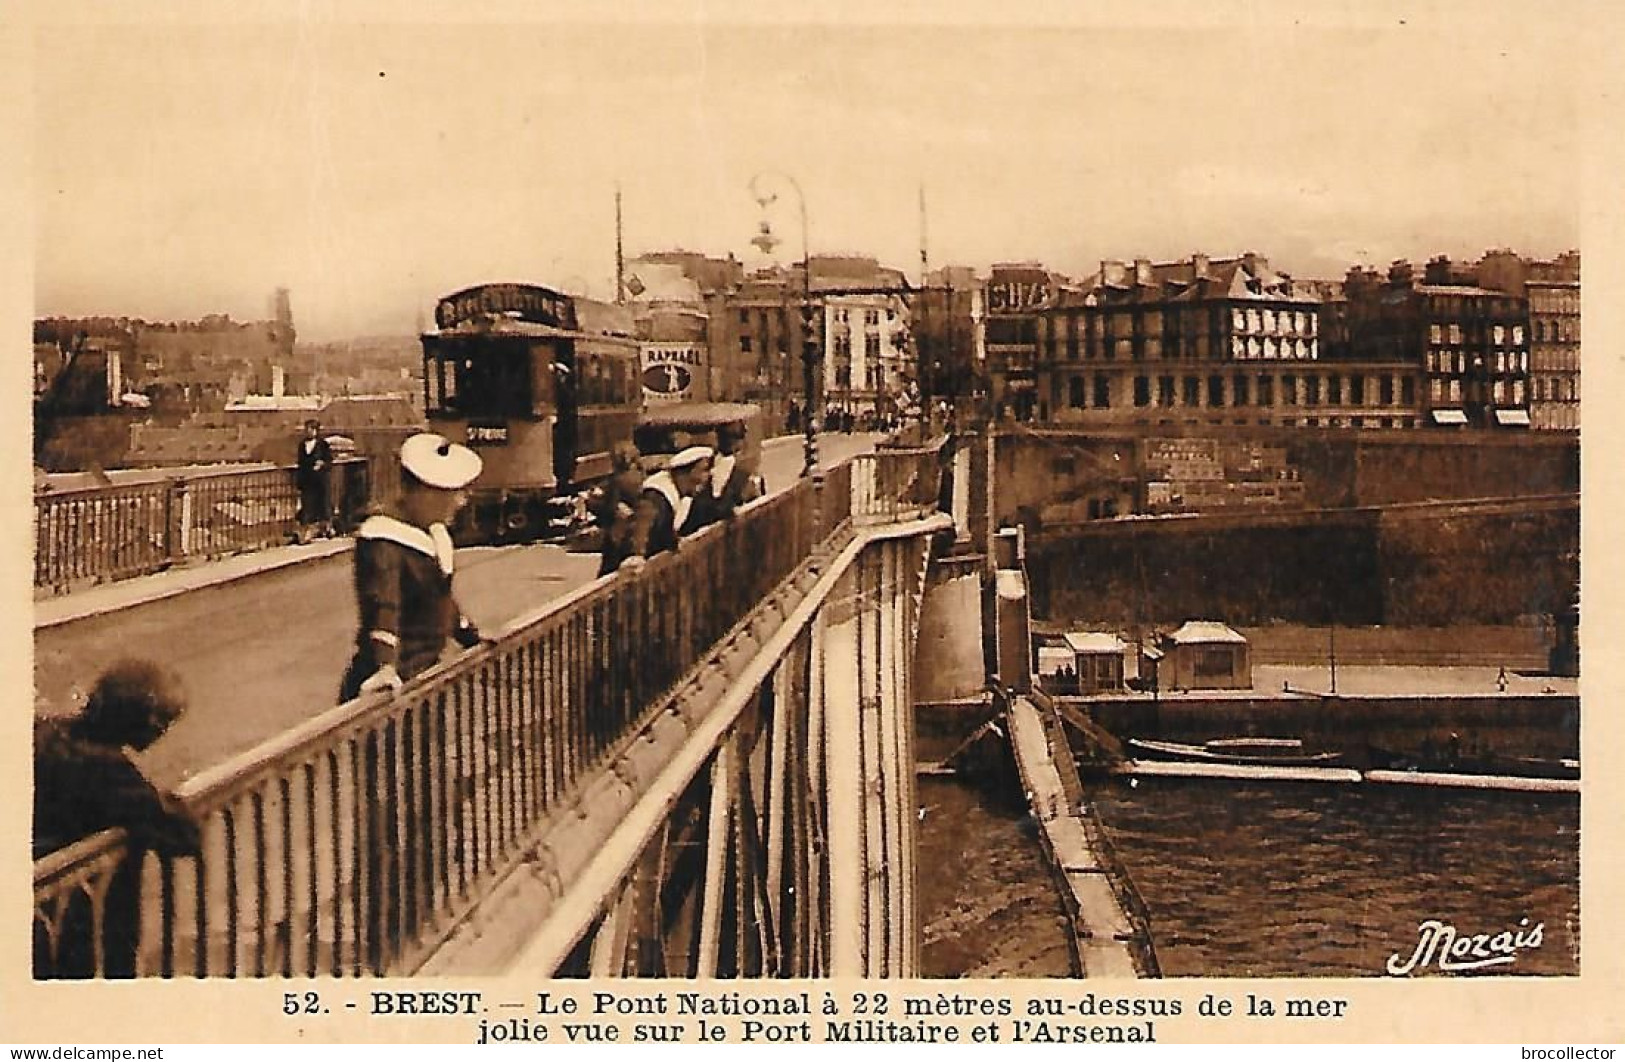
746,523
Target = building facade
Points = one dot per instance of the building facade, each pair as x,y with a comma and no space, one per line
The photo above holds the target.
1552,291
1015,300
1208,341
947,322
755,338
868,358
1554,353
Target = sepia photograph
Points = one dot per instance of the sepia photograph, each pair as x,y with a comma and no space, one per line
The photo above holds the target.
525,496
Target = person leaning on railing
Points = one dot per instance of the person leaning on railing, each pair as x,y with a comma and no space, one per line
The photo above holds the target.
663,507
729,485
86,780
612,506
403,570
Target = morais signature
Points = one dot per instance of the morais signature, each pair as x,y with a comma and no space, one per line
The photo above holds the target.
1439,941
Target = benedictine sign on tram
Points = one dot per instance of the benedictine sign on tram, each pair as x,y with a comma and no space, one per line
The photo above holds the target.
526,302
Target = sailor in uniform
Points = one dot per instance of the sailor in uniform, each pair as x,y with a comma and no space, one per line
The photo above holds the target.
729,485
663,507
403,570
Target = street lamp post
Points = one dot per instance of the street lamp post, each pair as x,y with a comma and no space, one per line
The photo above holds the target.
809,325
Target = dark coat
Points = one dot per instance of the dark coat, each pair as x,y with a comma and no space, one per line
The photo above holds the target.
310,475
711,506
81,788
623,488
403,585
655,530
313,462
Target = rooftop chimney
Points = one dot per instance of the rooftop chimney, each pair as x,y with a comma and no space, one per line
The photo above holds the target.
1199,264
1142,272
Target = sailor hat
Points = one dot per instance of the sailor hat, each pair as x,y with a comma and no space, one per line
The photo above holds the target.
436,461
691,456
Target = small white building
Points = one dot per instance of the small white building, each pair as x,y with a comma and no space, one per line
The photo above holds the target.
1097,661
1204,655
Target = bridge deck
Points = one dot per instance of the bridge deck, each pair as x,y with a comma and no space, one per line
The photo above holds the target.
262,652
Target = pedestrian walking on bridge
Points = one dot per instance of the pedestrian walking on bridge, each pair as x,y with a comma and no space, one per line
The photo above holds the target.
403,570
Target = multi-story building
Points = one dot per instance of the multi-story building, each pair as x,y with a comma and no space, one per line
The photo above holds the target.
1467,345
672,326
947,322
868,361
1015,299
1207,341
1552,290
755,337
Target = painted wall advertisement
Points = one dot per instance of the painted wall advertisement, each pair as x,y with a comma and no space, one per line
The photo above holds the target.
673,372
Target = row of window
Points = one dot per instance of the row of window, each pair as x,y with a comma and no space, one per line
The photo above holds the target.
1453,332
1289,422
1464,307
872,377
1503,392
1544,300
1557,388
1562,330
870,317
1198,348
1501,361
1292,322
1219,391
1269,348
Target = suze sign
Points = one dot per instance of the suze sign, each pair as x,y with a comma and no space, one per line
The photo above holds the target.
1010,295
669,370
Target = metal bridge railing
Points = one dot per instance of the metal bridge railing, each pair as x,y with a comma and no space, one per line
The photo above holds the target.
893,483
100,534
71,888
354,843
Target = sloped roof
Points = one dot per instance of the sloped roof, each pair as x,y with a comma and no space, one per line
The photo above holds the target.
1094,642
1196,632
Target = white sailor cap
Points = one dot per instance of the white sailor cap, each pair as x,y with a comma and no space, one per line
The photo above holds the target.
436,461
691,456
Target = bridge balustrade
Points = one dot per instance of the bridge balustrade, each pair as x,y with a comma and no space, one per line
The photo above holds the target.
100,534
355,843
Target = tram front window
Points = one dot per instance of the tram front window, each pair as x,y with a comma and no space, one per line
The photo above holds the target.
491,380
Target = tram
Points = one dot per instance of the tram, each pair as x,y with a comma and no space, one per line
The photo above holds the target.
541,384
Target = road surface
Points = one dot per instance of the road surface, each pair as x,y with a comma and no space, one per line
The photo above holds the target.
258,655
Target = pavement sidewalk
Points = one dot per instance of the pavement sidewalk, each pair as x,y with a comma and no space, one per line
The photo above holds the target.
144,589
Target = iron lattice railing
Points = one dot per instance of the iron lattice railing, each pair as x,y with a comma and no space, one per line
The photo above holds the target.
100,534
354,843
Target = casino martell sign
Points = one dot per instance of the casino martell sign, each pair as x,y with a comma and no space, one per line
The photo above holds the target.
671,371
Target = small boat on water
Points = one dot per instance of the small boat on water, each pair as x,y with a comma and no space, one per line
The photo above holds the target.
1254,751
1455,761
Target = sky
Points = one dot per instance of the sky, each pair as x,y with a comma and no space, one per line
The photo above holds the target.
370,166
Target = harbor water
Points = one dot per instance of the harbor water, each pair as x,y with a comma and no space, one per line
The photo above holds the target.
1246,880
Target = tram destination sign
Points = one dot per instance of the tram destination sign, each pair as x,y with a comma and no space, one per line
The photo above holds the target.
527,302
